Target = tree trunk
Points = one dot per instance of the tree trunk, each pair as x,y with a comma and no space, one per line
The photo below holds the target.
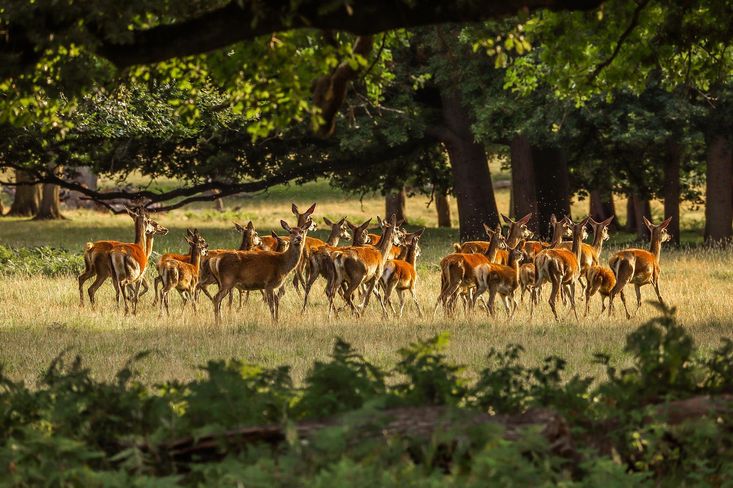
553,186
672,189
640,207
524,191
27,197
394,203
442,205
718,191
602,207
470,167
50,208
630,214
87,178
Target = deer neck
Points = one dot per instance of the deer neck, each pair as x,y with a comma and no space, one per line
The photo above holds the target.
140,237
598,240
148,246
577,248
557,233
411,254
655,247
292,255
513,237
514,264
333,238
492,249
195,258
385,244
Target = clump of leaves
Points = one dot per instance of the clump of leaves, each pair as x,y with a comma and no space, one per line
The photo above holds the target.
43,260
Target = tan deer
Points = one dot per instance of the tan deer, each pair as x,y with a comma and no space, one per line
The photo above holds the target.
258,270
503,279
320,263
356,266
517,230
183,276
590,253
397,251
639,266
458,272
527,279
129,262
401,275
561,267
600,279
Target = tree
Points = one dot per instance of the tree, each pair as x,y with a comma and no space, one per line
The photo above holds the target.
27,198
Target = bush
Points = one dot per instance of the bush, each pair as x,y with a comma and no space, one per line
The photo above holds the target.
43,260
74,430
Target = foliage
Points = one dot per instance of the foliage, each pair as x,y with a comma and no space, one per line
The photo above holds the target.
42,260
75,430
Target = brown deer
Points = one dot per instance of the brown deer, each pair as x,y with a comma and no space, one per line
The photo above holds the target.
561,267
503,279
639,266
527,278
590,253
320,263
129,262
517,230
600,279
401,275
458,272
355,266
183,276
258,270
397,251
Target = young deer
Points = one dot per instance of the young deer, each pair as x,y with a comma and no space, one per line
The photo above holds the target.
600,279
458,272
397,251
400,274
319,261
639,266
258,270
517,230
183,276
527,275
361,265
128,262
503,279
561,268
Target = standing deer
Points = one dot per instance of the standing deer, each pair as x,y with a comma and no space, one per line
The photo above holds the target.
397,251
458,272
503,279
258,270
320,263
401,275
639,266
590,253
361,265
600,279
517,230
128,262
561,267
183,276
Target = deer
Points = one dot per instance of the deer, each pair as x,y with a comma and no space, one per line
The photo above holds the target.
599,279
527,278
320,263
639,266
183,276
398,251
503,279
129,262
458,271
259,270
517,230
356,266
590,253
400,275
560,266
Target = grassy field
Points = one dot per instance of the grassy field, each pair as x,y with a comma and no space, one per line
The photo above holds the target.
40,317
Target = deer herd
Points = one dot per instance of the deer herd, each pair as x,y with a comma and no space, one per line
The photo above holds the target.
377,264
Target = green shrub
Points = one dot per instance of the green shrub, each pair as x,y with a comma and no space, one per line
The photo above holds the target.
43,260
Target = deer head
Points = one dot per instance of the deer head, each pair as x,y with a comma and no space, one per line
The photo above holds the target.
518,228
359,232
658,232
305,217
249,235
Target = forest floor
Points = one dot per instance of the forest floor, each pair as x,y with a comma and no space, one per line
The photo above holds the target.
40,317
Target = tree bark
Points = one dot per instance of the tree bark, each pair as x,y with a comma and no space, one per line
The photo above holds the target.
672,165
640,207
553,186
470,167
602,207
718,190
27,197
442,206
50,208
87,178
524,191
394,203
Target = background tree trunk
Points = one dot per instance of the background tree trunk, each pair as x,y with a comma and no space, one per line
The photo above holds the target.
50,208
86,177
524,192
639,207
602,207
553,186
394,203
442,205
672,189
27,197
470,167
718,190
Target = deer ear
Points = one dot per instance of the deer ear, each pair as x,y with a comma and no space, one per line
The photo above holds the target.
285,225
648,224
352,226
341,222
327,221
189,233
418,233
553,219
366,224
487,229
399,224
664,224
311,209
250,226
238,227
294,209
585,222
506,219
379,220
525,219
608,221
274,234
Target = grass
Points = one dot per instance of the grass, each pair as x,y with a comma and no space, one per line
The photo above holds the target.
40,317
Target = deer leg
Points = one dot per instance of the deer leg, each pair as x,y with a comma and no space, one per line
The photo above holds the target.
637,288
414,300
145,286
157,281
272,304
656,289
388,289
83,277
556,286
217,303
623,300
95,286
572,300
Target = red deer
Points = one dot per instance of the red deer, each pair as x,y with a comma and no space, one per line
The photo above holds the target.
600,279
183,276
639,266
258,270
400,275
503,279
517,230
320,263
591,253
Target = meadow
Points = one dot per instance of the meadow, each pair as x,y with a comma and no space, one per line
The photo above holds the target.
40,316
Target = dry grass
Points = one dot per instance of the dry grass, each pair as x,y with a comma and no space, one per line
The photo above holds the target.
40,317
